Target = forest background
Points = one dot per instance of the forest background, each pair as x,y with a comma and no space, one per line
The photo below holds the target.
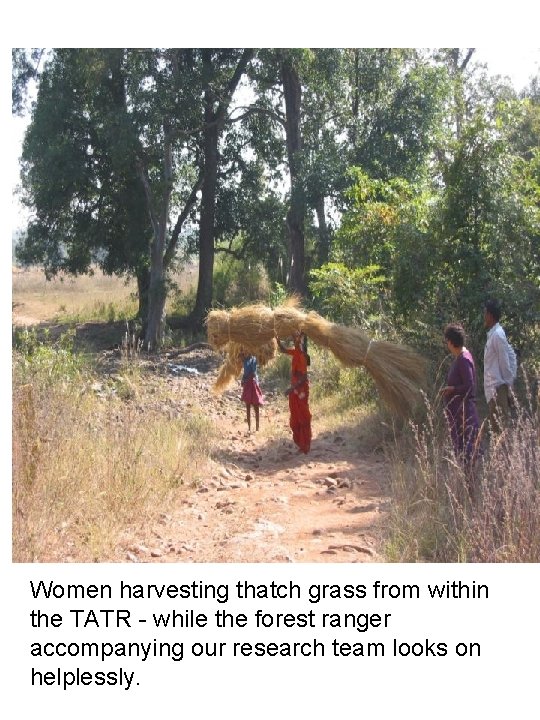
405,179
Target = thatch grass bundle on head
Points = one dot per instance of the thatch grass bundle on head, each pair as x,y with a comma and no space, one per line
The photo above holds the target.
253,325
397,370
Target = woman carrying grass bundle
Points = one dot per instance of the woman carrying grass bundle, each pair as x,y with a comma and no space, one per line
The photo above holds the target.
398,371
251,391
298,392
460,397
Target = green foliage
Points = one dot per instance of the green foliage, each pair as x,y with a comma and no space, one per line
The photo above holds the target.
379,214
38,359
114,149
348,296
416,178
487,231
398,98
238,281
444,248
79,170
24,67
387,225
347,387
249,213
278,295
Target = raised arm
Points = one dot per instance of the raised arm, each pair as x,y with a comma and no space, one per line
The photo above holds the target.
283,347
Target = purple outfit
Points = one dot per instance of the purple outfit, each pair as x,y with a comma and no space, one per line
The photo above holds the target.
460,407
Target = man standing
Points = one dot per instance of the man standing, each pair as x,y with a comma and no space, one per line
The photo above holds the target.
499,368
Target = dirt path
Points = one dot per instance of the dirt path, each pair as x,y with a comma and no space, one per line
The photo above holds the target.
262,501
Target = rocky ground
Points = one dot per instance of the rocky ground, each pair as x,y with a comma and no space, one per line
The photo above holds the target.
262,501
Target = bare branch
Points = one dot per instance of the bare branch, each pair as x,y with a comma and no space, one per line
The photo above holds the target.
254,109
190,202
143,175
221,112
238,255
167,174
466,59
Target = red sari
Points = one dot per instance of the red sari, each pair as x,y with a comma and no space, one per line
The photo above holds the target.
300,417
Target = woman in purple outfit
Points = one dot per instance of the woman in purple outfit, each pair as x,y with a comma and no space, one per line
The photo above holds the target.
460,397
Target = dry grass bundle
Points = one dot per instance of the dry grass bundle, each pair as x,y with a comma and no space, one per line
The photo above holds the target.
397,370
253,325
233,364
227,373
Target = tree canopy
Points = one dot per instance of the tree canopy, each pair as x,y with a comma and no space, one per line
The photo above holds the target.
409,179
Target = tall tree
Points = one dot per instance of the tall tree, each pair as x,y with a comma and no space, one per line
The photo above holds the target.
292,93
396,100
87,204
221,72
325,152
131,137
294,134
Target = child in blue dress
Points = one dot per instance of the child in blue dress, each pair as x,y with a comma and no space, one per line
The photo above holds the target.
251,392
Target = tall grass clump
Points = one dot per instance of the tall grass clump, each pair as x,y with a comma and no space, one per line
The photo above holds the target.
442,513
91,467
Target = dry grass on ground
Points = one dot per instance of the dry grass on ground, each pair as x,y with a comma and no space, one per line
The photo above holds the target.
442,514
79,299
63,297
88,465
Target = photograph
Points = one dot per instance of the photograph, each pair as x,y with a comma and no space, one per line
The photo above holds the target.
275,305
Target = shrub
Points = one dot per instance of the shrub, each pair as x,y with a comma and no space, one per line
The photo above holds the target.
239,281
348,296
41,360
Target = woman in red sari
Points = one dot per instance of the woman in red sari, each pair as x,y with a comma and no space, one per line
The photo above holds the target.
298,393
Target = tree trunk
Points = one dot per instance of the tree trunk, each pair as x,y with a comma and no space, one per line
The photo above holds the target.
459,65
295,227
143,290
157,293
295,215
208,208
355,97
156,309
159,217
